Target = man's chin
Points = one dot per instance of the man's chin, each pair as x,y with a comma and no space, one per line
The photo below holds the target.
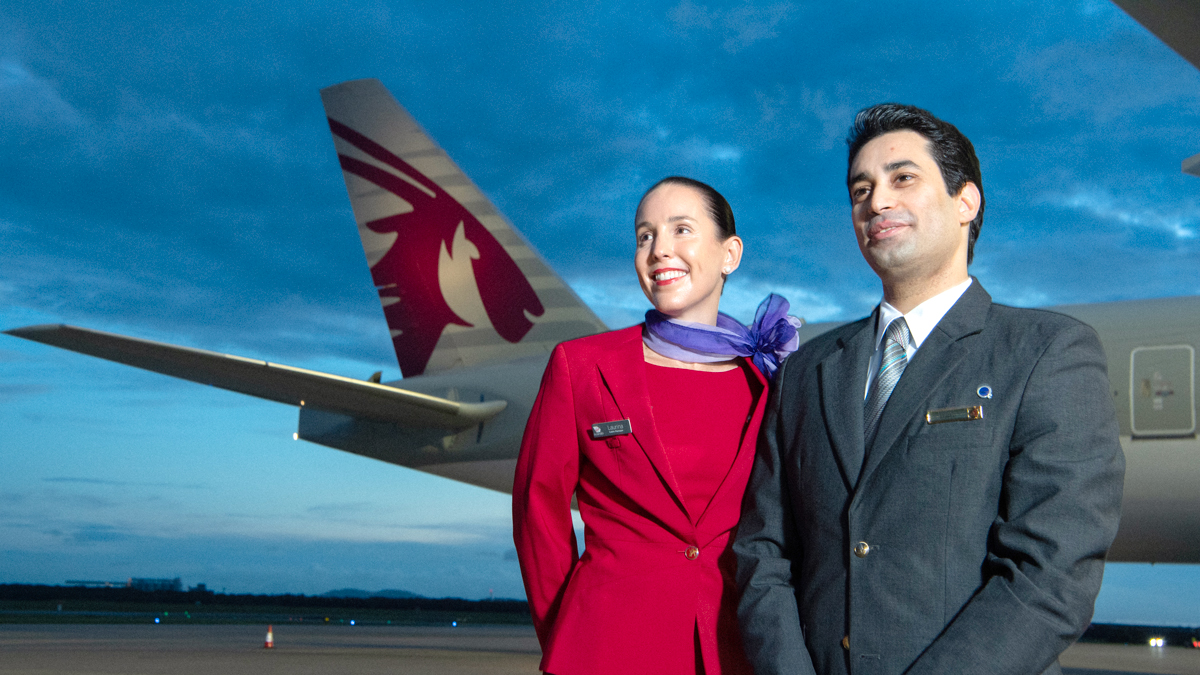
887,260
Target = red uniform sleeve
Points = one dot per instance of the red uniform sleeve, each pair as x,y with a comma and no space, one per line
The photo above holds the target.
547,473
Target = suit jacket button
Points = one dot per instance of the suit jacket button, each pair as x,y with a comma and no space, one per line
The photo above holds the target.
846,643
861,549
691,553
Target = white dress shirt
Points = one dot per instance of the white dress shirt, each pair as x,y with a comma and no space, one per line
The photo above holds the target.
921,320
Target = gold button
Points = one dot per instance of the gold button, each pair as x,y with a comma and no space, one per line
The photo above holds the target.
691,553
861,549
846,643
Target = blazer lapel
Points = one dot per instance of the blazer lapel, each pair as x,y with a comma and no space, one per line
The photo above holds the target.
745,451
843,381
939,355
623,371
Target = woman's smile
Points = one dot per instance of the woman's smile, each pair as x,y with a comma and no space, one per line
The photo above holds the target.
667,275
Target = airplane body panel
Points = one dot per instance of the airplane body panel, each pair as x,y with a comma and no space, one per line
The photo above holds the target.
1147,343
496,439
1160,520
496,474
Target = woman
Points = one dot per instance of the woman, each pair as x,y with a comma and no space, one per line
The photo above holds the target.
652,428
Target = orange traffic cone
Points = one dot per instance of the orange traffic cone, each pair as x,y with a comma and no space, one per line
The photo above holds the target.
270,643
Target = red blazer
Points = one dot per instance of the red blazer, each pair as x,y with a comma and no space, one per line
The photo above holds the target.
637,599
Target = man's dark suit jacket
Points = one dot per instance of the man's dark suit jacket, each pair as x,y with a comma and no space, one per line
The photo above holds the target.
972,546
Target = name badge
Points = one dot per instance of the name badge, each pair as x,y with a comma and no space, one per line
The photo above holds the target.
607,429
966,413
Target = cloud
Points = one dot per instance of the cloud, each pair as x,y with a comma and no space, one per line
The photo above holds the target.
91,534
124,483
749,24
701,150
47,520
740,26
617,300
9,392
250,565
32,103
342,508
743,295
1182,223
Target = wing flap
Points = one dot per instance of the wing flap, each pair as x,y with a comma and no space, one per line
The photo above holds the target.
271,381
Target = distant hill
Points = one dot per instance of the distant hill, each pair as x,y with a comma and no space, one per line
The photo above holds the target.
359,593
36,603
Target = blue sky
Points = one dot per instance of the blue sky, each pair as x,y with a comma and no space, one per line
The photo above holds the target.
169,175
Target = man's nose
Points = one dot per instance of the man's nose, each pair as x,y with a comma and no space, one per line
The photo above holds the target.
882,199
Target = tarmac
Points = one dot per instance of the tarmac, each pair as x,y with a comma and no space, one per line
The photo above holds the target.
80,649
76,649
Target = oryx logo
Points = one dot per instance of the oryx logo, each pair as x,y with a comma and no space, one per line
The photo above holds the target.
425,252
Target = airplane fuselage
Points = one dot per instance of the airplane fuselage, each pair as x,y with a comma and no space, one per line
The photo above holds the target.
483,455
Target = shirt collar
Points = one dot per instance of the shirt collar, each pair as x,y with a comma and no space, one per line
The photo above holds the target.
923,318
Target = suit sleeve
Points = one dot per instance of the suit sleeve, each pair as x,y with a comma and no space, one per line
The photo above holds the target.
1059,510
765,548
547,473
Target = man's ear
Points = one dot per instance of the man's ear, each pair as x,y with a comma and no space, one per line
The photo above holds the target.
968,203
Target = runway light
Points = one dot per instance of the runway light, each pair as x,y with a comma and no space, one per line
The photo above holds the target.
454,623
296,436
351,622
156,619
1158,642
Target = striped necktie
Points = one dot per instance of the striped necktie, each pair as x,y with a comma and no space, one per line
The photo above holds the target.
891,366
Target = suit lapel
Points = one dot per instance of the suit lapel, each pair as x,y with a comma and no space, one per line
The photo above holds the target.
843,380
939,355
623,371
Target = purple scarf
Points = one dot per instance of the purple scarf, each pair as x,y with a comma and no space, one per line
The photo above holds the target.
766,341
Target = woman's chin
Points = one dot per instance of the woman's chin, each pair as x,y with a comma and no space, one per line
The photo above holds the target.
673,305
671,310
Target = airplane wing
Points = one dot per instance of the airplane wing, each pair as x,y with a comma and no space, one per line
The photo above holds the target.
1177,23
272,381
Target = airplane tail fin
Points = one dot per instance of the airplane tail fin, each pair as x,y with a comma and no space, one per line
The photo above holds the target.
458,284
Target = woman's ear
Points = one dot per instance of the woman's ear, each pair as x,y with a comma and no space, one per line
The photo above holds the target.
733,254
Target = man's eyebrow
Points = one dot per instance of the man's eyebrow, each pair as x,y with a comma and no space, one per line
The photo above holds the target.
898,164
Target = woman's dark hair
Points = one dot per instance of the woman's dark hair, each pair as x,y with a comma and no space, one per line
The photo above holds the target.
954,154
718,208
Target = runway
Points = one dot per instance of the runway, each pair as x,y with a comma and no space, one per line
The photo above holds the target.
1106,659
76,649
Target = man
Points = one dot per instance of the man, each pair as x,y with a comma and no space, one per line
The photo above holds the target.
937,484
